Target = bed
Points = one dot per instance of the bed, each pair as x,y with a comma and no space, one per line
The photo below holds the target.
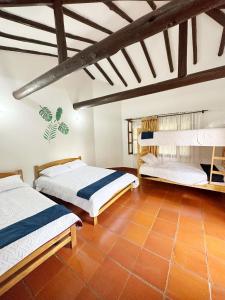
29,230
196,175
68,186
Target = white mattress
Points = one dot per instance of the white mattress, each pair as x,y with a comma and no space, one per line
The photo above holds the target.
197,137
66,186
182,173
21,203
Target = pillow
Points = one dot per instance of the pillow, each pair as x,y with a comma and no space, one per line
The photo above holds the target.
150,159
75,164
217,124
55,170
11,182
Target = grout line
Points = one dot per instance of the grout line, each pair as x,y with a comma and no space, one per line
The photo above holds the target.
27,288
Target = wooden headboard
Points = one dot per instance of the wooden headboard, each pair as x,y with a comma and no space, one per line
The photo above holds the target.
17,172
38,169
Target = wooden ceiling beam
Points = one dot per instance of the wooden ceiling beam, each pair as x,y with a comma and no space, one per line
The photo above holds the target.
182,50
148,58
40,26
60,31
200,77
217,15
194,40
104,74
222,43
117,71
171,14
151,4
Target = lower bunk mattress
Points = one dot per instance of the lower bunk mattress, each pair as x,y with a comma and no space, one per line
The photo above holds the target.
16,207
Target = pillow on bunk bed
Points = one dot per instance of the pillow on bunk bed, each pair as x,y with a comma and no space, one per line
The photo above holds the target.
150,159
217,124
55,170
11,182
75,164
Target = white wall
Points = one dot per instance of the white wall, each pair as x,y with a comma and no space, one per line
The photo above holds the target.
21,128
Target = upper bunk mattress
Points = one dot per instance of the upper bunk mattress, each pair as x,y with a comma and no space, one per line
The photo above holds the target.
197,137
67,185
19,204
182,173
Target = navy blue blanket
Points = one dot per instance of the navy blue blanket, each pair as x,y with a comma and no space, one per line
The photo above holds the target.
22,228
215,177
147,135
89,190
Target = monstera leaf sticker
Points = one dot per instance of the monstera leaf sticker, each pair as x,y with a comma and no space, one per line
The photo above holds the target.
54,123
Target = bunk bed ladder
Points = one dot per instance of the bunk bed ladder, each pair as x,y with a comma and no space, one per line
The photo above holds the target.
222,158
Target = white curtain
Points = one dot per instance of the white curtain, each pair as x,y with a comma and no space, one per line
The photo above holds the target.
180,122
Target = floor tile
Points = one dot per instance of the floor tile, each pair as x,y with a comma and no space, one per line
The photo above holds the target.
215,230
138,290
86,294
64,286
142,218
164,228
218,293
109,280
125,253
190,259
185,285
18,292
168,215
152,268
215,247
217,271
45,272
159,244
134,233
194,239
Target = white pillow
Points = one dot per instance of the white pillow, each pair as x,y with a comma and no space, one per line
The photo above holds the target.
217,124
150,159
11,182
75,164
55,170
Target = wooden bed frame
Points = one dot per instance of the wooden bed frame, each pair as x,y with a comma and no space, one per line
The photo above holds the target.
36,258
38,169
211,186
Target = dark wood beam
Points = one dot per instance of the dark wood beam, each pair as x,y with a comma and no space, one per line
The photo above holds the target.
147,56
60,31
194,39
79,18
182,51
117,71
104,73
166,39
171,14
222,43
118,11
33,41
40,26
20,50
131,65
217,15
203,76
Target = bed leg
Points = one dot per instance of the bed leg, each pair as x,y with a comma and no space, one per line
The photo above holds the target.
95,221
131,187
73,234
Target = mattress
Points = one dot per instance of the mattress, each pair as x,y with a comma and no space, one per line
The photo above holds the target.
182,173
21,203
197,137
66,186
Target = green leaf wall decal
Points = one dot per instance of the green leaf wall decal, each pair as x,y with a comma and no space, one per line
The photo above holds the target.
50,132
63,128
58,114
45,113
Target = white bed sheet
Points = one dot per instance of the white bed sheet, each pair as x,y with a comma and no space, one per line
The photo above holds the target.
21,203
183,173
66,186
197,137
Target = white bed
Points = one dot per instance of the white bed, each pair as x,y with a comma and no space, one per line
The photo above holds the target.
65,187
197,137
20,203
182,173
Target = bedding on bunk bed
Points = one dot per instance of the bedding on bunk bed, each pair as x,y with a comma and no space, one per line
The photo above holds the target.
196,137
182,173
28,220
85,186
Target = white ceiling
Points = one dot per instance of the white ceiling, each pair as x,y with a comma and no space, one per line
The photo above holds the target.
209,35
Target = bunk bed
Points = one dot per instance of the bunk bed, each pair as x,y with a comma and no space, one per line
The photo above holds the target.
203,176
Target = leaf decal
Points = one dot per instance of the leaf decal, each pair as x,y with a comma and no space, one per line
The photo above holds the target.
50,132
58,114
45,113
63,128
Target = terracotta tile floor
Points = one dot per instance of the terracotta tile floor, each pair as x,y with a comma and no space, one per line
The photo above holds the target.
158,242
